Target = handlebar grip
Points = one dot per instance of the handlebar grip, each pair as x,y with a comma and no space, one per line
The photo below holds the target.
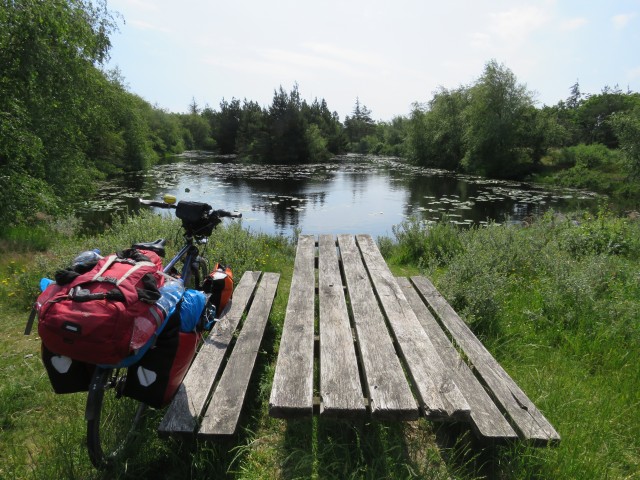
224,213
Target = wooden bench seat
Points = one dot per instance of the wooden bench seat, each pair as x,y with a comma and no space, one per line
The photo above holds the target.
200,409
382,352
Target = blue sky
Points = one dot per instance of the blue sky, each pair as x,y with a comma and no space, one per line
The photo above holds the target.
388,53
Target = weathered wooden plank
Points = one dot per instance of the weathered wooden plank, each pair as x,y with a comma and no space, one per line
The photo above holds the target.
388,391
486,419
437,391
292,389
340,387
184,412
223,412
527,419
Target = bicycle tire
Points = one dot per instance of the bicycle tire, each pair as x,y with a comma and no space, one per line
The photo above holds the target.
112,419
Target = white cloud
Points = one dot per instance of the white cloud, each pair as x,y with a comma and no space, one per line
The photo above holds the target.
143,5
634,74
141,25
622,20
351,56
517,24
305,60
481,41
315,57
508,30
573,24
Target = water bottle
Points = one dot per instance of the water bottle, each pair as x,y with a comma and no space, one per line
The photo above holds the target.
171,293
86,259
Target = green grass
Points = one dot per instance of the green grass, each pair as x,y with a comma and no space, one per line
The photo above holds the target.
557,303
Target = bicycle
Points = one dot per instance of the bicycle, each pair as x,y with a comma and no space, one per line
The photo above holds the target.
113,418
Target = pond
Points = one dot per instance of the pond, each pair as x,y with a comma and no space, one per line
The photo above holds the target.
350,194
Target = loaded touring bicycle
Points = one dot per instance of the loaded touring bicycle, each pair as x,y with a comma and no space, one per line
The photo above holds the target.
124,328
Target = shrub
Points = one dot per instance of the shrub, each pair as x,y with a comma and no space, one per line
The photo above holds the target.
590,156
427,243
601,235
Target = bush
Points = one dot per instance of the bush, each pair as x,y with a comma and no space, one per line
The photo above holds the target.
603,234
427,243
592,156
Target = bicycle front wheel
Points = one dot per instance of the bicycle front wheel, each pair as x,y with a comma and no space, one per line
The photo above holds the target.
112,419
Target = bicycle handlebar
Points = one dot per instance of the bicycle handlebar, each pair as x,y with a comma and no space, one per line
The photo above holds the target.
212,214
224,213
155,203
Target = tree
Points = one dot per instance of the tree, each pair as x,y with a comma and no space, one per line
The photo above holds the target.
593,114
498,125
252,141
63,121
328,123
575,100
443,130
197,132
194,109
287,128
626,126
358,125
225,125
48,53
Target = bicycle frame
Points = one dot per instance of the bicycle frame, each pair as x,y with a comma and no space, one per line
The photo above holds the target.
190,253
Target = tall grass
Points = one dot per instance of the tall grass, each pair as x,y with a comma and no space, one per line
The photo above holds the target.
557,303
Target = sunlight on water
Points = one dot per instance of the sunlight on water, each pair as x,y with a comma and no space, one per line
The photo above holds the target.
352,194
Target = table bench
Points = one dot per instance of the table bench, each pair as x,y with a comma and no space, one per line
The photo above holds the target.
387,348
210,399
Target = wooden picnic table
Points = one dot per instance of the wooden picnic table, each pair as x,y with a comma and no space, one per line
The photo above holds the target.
356,343
388,348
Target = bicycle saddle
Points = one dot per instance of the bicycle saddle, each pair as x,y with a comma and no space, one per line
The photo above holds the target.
157,246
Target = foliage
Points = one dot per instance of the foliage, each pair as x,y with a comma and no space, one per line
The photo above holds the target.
498,121
627,129
594,167
600,236
559,315
289,131
490,128
63,122
436,134
557,304
594,113
225,124
426,244
358,126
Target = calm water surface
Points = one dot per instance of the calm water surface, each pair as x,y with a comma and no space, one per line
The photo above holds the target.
351,194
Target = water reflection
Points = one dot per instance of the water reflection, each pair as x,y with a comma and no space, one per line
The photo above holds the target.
352,194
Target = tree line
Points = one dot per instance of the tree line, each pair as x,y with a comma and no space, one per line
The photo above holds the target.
493,127
66,122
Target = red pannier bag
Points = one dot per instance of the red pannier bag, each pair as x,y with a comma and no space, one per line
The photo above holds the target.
106,314
219,284
155,378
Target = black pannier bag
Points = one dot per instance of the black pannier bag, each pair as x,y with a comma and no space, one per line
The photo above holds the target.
66,375
155,378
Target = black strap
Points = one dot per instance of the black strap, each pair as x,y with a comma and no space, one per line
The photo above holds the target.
32,317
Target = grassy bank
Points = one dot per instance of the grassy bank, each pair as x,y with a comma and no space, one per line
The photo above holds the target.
593,167
557,303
